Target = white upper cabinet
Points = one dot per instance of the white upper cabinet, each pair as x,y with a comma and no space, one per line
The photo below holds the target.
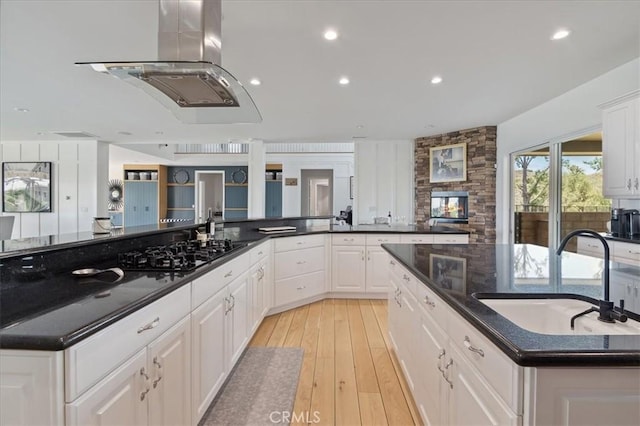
621,146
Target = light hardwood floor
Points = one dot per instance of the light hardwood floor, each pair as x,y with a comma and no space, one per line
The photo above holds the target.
349,375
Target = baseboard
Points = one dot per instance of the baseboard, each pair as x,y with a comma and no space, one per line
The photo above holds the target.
327,295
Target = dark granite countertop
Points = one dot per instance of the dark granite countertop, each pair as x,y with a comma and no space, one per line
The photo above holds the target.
524,270
47,310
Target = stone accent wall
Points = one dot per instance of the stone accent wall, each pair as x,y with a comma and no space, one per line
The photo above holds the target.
480,183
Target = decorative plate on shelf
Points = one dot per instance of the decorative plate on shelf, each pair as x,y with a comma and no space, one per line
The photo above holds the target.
181,176
239,176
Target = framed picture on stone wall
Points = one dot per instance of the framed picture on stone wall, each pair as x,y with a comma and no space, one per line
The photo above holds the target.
448,163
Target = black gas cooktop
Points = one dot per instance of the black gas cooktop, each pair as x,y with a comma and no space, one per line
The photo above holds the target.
179,256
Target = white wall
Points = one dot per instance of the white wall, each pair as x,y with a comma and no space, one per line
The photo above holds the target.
562,118
384,180
78,187
292,164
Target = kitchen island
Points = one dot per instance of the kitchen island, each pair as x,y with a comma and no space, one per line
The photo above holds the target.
467,364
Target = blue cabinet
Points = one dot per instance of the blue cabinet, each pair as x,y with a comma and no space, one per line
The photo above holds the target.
273,198
140,203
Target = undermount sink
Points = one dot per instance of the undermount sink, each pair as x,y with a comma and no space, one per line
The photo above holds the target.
553,316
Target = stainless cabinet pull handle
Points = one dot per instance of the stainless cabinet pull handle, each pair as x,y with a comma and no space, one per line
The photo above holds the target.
227,301
440,356
152,324
300,242
467,344
633,252
406,278
146,381
629,184
446,367
300,262
636,290
301,287
233,299
392,262
159,367
259,253
637,184
228,274
428,302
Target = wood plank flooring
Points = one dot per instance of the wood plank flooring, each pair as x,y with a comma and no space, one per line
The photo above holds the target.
350,375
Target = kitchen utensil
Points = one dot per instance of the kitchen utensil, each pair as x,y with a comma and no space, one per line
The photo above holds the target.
90,272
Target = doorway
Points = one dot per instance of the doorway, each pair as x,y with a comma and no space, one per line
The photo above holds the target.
209,196
316,192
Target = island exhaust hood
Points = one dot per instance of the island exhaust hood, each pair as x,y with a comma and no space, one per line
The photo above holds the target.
188,79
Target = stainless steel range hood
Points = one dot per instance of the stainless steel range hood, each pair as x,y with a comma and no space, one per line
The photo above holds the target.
188,79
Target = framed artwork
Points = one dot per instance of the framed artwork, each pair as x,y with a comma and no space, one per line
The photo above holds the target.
26,187
448,163
448,272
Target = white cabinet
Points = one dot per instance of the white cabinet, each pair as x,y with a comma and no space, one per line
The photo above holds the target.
348,262
221,331
619,251
621,147
31,379
208,369
300,265
260,285
625,286
152,387
449,386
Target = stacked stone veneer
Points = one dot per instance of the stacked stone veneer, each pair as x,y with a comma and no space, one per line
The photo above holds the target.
480,183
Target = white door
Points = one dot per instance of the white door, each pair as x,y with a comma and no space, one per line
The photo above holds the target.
208,323
348,268
238,318
120,399
377,270
169,362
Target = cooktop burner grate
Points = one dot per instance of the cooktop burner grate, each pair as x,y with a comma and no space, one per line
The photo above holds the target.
179,256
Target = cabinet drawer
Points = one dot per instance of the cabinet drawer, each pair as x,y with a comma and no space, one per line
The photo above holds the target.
299,287
417,239
450,239
289,264
348,240
432,305
260,252
401,275
296,243
93,358
377,239
210,283
498,370
627,253
590,247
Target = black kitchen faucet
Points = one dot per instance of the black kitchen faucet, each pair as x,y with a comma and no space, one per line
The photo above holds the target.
606,310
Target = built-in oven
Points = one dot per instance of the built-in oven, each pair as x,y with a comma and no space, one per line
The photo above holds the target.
450,206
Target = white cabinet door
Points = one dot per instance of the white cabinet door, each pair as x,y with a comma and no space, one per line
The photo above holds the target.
431,388
348,268
256,296
169,363
620,150
120,399
471,402
394,315
409,319
377,270
208,372
625,287
238,318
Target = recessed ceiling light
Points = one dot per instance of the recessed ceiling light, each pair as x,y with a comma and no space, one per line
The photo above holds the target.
18,109
255,82
560,34
330,35
436,80
40,133
344,81
360,126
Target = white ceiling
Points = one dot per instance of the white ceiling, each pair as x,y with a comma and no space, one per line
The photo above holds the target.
496,59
